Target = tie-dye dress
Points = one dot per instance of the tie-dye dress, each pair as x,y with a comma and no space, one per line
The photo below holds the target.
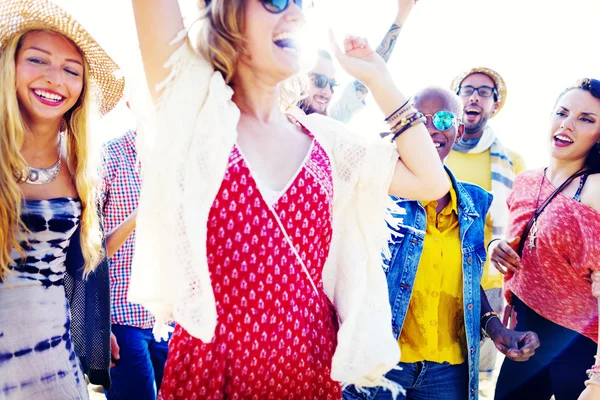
37,355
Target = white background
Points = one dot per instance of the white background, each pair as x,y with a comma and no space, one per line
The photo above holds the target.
538,46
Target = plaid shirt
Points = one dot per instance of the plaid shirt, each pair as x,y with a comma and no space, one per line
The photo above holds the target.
120,196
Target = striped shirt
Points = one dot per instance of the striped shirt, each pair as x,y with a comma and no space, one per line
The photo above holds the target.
121,193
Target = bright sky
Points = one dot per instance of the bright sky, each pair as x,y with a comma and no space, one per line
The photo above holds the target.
538,46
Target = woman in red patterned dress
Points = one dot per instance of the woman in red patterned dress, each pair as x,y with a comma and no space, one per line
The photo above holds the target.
270,224
550,284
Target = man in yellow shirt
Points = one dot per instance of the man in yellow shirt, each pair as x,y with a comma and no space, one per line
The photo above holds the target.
480,158
436,256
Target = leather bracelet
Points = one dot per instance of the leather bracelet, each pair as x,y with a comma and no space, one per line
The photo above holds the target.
404,127
488,321
490,243
406,120
408,110
483,322
398,111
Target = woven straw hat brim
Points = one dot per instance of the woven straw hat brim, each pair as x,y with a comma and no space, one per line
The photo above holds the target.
498,81
20,16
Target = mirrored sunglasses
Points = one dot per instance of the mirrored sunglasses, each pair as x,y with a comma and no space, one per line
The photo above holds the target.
442,120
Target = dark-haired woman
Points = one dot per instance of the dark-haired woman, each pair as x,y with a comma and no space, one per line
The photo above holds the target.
550,283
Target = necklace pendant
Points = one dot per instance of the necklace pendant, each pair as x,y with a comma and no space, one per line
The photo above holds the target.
533,235
42,176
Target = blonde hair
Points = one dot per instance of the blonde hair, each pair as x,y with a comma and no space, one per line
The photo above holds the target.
12,164
221,40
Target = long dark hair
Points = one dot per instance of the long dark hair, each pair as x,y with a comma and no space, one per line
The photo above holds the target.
592,161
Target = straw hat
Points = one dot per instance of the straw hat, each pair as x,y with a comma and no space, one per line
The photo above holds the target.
19,16
498,82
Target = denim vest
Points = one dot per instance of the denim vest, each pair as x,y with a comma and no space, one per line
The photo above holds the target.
406,247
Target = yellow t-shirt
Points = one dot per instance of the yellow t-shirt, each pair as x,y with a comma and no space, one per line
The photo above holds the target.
477,169
434,328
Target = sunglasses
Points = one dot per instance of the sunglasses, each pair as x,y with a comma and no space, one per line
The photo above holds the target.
592,85
321,81
443,120
273,6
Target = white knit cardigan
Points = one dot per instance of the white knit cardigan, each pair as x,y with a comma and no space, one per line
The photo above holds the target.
195,128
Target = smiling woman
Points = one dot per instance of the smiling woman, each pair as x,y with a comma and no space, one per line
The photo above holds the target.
50,76
553,254
50,237
272,210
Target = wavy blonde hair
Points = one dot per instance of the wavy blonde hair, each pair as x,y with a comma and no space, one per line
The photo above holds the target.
221,41
12,163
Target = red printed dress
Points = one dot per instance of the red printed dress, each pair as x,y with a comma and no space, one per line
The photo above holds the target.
276,332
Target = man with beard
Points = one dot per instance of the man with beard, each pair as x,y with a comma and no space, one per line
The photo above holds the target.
480,158
352,100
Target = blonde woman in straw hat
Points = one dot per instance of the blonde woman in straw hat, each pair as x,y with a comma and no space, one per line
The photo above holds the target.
262,233
53,75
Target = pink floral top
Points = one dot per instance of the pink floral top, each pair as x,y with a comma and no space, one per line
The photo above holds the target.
555,278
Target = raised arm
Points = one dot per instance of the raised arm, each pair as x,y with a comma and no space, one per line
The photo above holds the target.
158,22
419,173
386,47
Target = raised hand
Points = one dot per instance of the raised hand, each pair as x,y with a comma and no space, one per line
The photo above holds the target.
404,9
359,59
504,257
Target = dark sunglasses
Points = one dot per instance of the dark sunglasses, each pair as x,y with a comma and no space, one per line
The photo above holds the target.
321,81
274,6
483,91
443,120
592,85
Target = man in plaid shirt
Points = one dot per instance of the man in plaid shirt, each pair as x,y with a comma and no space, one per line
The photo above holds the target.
139,371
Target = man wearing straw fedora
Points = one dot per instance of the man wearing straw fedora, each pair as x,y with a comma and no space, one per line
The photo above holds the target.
480,158
54,286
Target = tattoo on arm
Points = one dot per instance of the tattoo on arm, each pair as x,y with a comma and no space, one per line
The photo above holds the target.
385,49
361,90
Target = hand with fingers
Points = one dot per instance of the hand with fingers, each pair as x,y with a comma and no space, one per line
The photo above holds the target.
504,256
359,59
404,9
592,390
114,350
518,346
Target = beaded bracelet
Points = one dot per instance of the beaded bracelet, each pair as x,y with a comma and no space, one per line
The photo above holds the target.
404,121
594,373
408,110
398,112
407,123
488,314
